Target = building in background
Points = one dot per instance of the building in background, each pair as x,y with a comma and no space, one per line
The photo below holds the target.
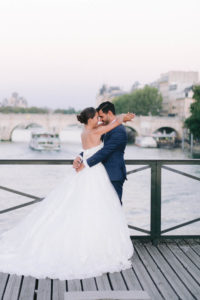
173,86
15,101
136,86
108,93
182,104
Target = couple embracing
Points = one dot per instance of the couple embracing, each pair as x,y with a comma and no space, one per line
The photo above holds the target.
79,230
114,139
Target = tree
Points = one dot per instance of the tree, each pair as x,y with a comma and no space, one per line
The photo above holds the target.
23,110
68,111
193,122
142,102
35,110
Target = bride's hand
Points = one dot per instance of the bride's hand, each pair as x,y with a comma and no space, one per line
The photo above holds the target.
80,168
77,162
128,117
125,117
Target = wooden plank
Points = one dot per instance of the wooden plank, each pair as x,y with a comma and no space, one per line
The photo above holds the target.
74,285
191,254
117,281
44,289
89,284
59,288
103,282
194,245
168,272
186,262
100,295
3,281
28,288
181,272
161,283
13,287
191,241
145,279
131,280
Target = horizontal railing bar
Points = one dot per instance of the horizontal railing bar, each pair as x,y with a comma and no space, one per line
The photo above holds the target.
137,170
194,236
180,162
36,161
19,206
164,237
19,193
162,161
141,237
127,161
180,225
154,164
181,173
139,229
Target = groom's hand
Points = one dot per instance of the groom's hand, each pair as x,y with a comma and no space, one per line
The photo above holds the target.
80,168
77,162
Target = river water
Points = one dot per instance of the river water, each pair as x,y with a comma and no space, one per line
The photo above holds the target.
180,194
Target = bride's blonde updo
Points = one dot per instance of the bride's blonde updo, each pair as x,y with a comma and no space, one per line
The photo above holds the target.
86,114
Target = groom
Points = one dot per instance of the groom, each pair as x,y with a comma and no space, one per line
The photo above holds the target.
112,153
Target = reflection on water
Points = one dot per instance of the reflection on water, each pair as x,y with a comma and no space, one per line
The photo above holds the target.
180,194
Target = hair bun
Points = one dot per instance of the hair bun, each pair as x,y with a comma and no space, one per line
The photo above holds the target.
86,114
80,118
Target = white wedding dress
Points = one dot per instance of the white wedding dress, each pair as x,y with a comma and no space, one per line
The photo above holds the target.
78,231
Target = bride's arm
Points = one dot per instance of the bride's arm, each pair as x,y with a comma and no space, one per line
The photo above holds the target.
102,129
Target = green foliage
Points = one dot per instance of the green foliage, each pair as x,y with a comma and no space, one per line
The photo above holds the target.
35,110
146,101
69,111
193,122
23,110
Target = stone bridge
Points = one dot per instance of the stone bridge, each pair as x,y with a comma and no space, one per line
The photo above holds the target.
142,125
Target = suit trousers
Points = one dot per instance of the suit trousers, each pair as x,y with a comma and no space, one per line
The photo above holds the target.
118,185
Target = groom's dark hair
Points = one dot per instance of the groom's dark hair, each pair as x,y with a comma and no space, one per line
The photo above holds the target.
106,106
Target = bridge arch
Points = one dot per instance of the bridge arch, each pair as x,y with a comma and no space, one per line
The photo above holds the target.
143,125
23,126
17,126
131,134
167,129
33,125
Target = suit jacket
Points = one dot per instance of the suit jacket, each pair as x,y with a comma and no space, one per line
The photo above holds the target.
112,154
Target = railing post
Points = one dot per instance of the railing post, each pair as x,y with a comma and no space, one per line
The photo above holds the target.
155,202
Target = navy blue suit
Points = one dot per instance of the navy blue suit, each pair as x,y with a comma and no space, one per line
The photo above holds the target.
112,157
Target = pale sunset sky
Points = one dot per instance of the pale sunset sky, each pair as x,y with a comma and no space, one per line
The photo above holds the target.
58,53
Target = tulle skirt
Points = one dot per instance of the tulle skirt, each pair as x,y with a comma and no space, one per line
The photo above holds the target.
78,231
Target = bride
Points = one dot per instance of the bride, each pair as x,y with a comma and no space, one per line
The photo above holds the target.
79,230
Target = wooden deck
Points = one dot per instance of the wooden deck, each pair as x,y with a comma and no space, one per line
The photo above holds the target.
170,270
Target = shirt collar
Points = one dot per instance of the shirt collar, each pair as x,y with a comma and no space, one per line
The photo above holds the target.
113,121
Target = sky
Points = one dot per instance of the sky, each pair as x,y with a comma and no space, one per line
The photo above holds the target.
58,53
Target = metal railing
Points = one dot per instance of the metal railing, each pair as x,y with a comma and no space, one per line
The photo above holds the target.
155,165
